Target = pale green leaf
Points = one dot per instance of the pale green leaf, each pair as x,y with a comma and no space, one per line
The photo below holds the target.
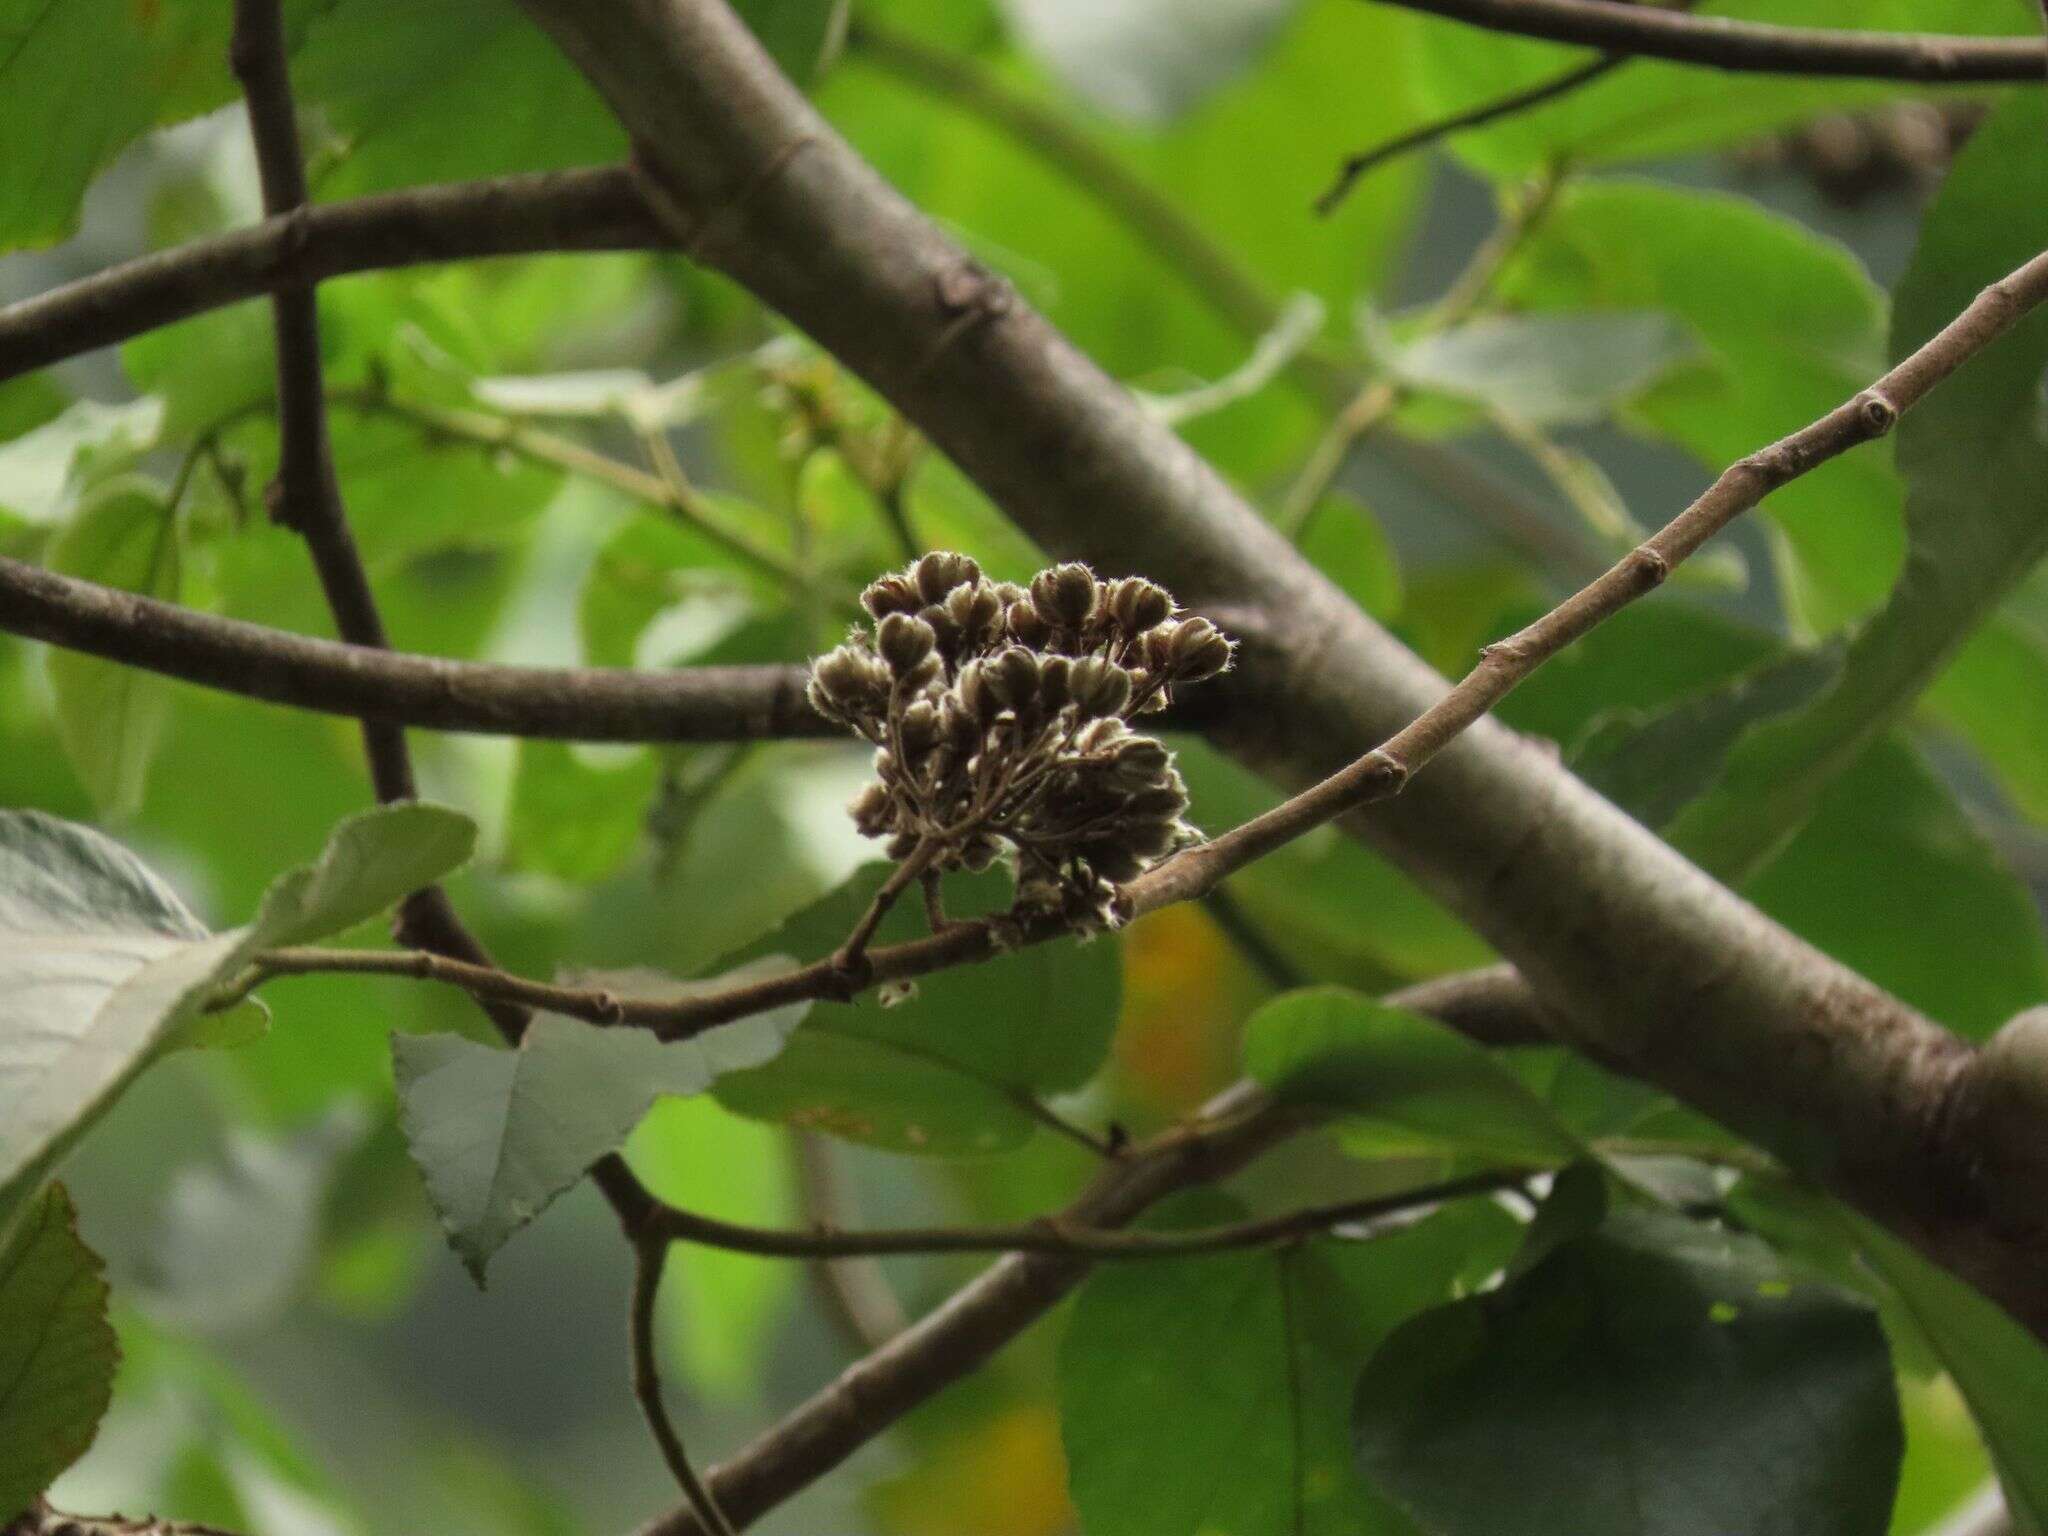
498,1133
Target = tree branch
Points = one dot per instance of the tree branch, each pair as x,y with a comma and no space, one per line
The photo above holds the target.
585,210
1753,47
1057,1235
306,498
736,703
650,1252
1648,961
1356,166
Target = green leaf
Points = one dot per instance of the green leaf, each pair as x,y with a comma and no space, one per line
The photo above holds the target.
371,861
499,1133
459,89
110,717
1545,370
1148,60
1656,1377
105,968
1973,453
57,1350
2001,1368
1407,1085
1894,879
1213,1394
79,79
1789,324
952,1068
574,819
1995,696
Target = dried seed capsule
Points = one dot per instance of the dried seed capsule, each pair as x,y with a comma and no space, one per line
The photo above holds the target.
977,853
945,632
1100,735
918,730
901,846
976,609
904,641
1161,802
1139,761
1100,687
872,810
848,683
1064,595
941,571
1155,649
1055,678
920,678
1112,860
890,594
958,726
1014,675
1137,605
1198,650
978,693
1027,625
1151,839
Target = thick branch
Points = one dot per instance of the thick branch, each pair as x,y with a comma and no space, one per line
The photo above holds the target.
1751,47
741,703
1649,962
588,210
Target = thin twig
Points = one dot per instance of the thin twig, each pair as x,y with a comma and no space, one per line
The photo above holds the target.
855,1292
1356,166
1717,42
1061,1236
651,1256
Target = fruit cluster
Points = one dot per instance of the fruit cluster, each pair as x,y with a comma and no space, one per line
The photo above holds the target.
1000,717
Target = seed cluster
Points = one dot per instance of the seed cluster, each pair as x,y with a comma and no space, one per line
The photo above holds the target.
1000,717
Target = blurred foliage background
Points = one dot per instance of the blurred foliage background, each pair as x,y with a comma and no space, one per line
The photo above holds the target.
1578,313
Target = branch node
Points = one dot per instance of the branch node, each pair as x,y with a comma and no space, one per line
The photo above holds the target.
1876,412
1649,565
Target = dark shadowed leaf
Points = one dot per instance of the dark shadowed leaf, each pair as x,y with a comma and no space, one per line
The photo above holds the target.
950,1068
1655,1377
1407,1086
1213,1394
57,1350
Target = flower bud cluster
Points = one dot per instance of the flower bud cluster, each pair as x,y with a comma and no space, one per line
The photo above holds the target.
1000,717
